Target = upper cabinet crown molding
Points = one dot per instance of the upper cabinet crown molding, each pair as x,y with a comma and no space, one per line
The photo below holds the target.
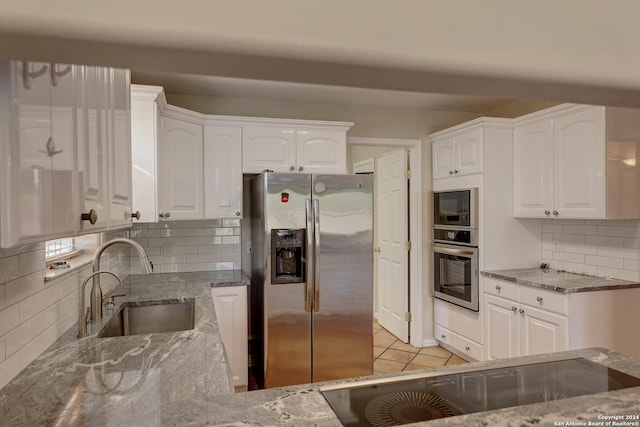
493,122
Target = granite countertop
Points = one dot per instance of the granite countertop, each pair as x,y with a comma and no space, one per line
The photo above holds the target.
559,281
182,378
127,380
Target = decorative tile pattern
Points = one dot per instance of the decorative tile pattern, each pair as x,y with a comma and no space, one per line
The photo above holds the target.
392,355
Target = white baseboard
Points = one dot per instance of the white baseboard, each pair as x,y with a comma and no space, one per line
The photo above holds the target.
429,343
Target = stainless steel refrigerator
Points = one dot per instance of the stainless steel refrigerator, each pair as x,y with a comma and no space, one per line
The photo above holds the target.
311,277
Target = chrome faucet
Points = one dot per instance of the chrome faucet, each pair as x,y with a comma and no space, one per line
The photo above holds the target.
96,291
84,317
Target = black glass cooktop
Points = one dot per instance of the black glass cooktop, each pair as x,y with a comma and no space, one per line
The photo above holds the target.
420,399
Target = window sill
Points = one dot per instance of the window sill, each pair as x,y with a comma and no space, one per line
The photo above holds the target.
75,264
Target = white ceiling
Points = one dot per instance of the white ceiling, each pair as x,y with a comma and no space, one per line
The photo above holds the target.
190,84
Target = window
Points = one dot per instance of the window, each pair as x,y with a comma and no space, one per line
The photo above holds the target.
58,248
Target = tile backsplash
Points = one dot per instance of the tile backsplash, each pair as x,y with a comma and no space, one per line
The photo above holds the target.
180,246
594,247
34,312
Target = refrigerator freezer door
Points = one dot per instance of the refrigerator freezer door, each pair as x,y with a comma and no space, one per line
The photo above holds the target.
287,325
342,325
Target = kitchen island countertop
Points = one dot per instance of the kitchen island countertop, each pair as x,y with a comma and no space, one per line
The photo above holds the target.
560,281
182,378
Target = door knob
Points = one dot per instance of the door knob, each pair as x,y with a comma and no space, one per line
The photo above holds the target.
91,216
136,215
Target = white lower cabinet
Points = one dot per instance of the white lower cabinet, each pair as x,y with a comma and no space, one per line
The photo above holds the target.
231,312
459,329
515,329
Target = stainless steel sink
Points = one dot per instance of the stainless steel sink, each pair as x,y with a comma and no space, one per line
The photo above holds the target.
150,317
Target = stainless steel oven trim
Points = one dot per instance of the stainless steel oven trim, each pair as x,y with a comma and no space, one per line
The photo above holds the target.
466,251
473,235
473,207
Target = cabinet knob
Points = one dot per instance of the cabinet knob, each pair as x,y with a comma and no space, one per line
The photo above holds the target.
467,348
91,216
514,308
136,215
547,213
237,213
539,299
521,311
292,168
455,171
300,169
165,215
450,172
498,288
555,213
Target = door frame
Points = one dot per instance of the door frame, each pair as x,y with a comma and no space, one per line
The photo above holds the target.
415,227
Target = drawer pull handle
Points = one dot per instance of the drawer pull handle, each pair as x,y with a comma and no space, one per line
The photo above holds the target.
498,288
539,299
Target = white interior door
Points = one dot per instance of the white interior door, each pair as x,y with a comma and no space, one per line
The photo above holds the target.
392,225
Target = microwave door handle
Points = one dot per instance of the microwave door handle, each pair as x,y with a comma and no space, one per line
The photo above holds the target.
316,238
310,258
452,251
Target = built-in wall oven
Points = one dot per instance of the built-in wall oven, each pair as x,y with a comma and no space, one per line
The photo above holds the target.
455,249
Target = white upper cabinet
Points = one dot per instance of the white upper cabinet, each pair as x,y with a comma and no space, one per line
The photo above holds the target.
295,147
457,151
180,170
321,151
577,161
56,124
268,147
223,171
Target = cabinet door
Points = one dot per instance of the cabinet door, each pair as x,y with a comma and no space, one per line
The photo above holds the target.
579,164
223,172
180,178
533,170
63,145
268,147
502,332
92,162
468,153
443,158
231,312
542,331
321,151
119,149
26,165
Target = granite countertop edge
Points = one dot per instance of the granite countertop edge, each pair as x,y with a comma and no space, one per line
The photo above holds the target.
559,281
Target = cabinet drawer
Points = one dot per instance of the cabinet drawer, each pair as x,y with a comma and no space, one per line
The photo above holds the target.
469,348
444,335
547,300
501,288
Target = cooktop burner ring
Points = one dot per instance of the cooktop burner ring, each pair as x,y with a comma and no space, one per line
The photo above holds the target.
406,407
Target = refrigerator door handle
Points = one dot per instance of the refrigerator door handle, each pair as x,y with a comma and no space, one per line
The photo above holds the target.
316,238
308,300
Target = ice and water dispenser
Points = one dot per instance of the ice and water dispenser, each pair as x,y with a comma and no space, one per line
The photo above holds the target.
287,256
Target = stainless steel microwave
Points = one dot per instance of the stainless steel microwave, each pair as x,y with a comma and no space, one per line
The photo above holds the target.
455,208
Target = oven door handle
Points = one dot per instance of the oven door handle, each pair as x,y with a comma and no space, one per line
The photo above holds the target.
453,251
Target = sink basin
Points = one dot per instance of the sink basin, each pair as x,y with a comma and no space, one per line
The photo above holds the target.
150,317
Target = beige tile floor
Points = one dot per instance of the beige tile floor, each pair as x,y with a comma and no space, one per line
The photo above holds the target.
392,355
